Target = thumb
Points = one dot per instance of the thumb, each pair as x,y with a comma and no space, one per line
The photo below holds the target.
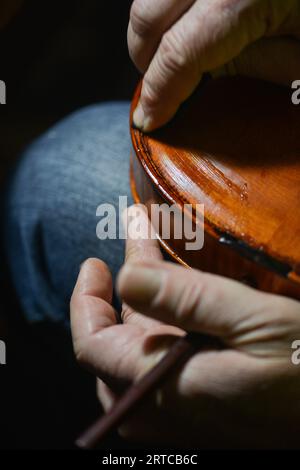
190,299
255,322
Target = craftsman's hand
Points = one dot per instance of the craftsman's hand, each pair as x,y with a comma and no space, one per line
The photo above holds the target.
246,395
173,42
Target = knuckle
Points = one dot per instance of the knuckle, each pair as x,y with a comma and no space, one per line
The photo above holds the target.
170,59
183,301
173,52
80,350
126,313
189,299
132,252
150,93
139,18
273,306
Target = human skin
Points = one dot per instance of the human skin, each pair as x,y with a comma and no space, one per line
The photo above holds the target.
244,396
173,42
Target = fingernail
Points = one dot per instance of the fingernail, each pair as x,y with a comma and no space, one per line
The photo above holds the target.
138,285
140,120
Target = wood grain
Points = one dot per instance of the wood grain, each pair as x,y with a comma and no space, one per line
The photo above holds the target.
234,147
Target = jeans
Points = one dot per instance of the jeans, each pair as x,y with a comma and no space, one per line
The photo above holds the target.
51,202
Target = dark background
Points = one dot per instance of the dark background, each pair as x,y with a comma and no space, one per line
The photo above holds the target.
55,56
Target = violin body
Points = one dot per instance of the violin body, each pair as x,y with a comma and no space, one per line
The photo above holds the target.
235,148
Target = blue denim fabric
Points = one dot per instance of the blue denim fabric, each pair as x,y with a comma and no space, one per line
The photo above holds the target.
51,205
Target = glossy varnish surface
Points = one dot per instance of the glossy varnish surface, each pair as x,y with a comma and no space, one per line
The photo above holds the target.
235,147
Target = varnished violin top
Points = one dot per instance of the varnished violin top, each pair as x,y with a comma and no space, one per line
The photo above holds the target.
235,147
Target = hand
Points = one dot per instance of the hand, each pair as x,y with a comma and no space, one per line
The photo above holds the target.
173,42
246,395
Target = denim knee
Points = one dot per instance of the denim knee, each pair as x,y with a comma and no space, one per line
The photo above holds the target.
51,203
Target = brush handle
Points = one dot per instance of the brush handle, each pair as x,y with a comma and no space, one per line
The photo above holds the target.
179,353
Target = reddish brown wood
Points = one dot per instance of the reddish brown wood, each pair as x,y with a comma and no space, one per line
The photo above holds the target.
234,147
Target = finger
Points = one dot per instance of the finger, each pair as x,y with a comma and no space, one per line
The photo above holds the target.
98,342
186,298
105,395
211,381
206,384
141,244
203,302
205,38
275,60
118,354
141,240
134,429
149,19
92,294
